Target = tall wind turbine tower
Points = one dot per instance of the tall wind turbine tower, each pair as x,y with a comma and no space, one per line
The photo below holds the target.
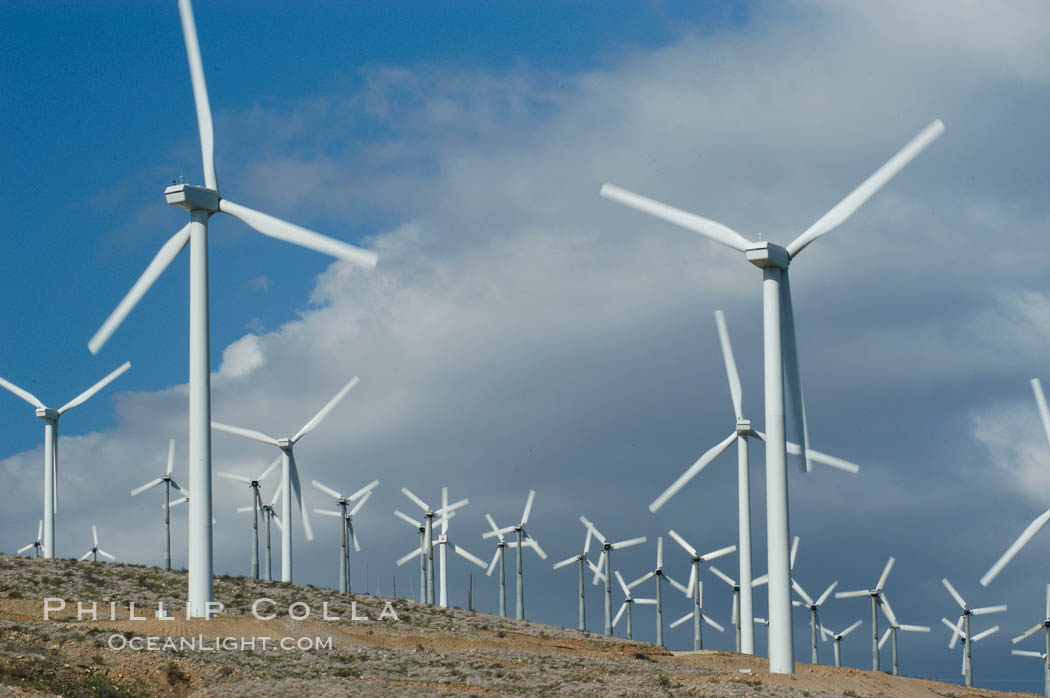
781,363
202,203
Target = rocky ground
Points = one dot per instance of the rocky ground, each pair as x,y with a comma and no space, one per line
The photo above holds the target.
427,651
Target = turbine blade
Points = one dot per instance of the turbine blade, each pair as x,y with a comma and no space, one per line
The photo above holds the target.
492,524
563,563
466,554
200,93
826,594
536,546
659,552
180,500
594,531
24,394
94,534
645,577
714,555
171,456
681,541
357,507
722,575
25,548
246,433
792,374
1015,548
852,594
623,584
736,611
282,230
402,560
885,636
452,507
326,489
86,555
409,519
328,512
951,590
277,520
730,362
845,208
914,628
495,559
824,459
298,492
364,490
528,507
353,537
40,533
851,628
244,510
794,552
269,468
1040,401
681,620
677,585
623,607
419,502
232,476
87,394
764,579
1027,653
884,603
690,221
691,472
164,257
885,574
801,592
712,623
1022,636
986,633
988,609
105,554
143,488
628,543
336,399
691,585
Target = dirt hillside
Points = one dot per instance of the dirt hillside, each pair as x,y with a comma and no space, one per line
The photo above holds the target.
426,651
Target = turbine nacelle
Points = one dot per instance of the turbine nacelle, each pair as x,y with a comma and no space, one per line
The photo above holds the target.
192,198
743,427
767,254
47,414
285,444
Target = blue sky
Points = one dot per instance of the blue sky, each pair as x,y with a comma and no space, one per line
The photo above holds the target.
520,331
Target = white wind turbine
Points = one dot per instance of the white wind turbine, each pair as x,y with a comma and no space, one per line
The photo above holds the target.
837,637
1040,521
693,586
445,542
660,575
736,619
255,508
629,601
499,557
201,203
892,631
741,431
698,615
268,514
961,630
95,550
426,548
814,617
1045,627
346,534
523,539
37,544
168,481
876,597
50,418
605,573
419,552
582,560
289,473
781,363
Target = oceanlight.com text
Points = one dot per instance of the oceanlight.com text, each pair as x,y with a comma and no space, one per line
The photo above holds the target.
200,643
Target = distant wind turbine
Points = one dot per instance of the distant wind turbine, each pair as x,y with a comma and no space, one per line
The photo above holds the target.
961,630
255,508
168,481
35,545
347,535
95,550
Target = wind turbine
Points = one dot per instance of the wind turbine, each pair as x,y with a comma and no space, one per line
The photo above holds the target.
523,539
420,552
268,514
289,473
837,637
201,203
606,574
814,617
257,504
961,630
1045,626
582,559
629,601
698,616
736,619
660,575
50,418
693,586
36,545
1040,521
95,550
781,363
741,431
167,481
498,556
892,631
876,596
444,541
346,534
427,544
